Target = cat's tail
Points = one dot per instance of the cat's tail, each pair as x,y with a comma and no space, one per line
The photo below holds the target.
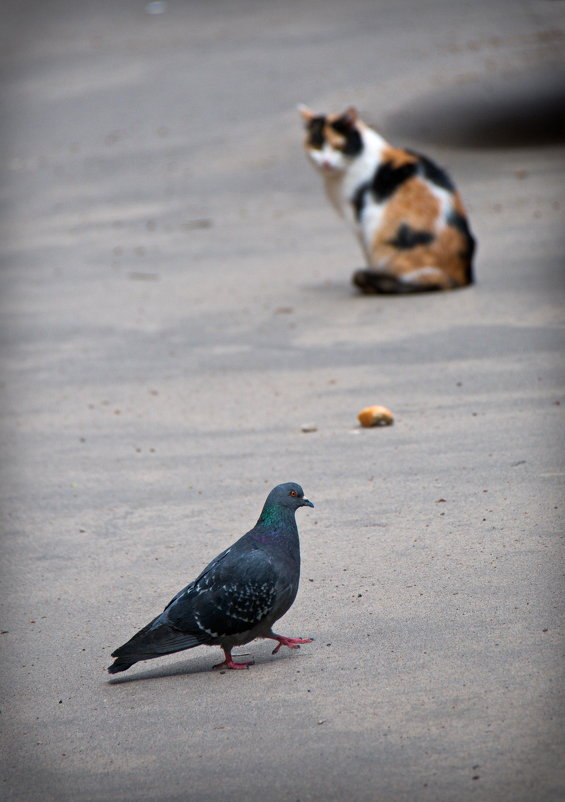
424,279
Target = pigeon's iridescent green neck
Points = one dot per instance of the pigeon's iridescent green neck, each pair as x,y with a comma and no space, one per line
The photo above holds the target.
274,514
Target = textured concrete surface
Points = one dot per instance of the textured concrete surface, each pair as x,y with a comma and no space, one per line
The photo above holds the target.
176,303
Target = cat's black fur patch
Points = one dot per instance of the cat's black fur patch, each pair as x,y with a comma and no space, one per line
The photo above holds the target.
353,141
358,199
432,172
316,132
388,178
460,222
407,237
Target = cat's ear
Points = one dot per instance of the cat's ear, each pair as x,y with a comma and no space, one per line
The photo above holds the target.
306,113
350,116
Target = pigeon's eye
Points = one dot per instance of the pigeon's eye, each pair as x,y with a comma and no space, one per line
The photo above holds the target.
293,493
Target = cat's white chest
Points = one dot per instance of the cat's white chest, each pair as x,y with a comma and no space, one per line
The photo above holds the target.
362,169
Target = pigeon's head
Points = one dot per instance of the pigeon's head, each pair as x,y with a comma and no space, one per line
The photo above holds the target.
288,495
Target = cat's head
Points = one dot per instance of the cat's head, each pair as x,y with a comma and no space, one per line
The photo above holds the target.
333,140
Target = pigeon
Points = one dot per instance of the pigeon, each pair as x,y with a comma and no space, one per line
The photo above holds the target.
237,597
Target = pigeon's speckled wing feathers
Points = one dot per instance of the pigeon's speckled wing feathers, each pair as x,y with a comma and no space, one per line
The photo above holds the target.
231,596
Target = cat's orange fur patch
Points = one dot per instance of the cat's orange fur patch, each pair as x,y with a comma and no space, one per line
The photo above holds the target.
450,246
414,205
398,157
332,137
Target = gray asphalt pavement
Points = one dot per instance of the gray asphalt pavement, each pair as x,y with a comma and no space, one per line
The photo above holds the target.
176,303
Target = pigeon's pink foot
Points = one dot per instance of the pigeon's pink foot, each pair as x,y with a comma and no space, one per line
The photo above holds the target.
229,663
292,643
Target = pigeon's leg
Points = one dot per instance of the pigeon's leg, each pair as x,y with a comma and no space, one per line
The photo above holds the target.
292,643
229,663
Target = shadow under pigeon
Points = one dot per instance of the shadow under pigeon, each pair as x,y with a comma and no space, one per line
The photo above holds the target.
174,670
188,667
516,109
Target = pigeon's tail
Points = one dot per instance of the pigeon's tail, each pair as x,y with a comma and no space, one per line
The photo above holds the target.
154,640
120,665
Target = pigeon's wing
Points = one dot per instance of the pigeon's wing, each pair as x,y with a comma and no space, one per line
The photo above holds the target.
232,597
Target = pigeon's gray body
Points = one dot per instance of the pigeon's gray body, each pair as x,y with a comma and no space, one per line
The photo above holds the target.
237,597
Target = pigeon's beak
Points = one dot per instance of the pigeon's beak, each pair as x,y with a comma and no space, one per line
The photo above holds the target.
306,503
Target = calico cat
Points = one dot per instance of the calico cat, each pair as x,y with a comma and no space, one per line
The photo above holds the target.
407,214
